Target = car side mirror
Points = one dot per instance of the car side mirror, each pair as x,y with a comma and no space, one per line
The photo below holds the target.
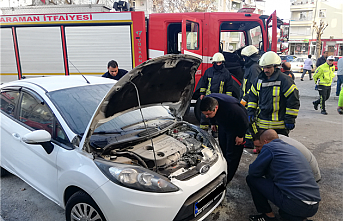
39,137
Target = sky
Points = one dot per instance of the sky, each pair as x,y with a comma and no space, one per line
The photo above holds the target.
282,8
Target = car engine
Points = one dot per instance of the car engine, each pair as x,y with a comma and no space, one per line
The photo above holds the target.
181,152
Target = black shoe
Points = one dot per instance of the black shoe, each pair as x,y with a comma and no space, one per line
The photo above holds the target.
324,112
302,79
311,79
315,105
261,217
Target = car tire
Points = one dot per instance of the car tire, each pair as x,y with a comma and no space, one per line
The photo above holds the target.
4,172
81,206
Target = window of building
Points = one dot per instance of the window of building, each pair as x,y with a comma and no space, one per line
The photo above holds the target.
322,13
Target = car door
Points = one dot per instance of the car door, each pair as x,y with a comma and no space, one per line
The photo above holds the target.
30,162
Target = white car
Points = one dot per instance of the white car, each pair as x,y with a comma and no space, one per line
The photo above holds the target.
114,150
298,65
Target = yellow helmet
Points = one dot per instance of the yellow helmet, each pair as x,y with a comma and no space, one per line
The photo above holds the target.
249,50
218,57
269,58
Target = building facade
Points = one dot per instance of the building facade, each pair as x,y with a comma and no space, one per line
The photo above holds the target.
302,36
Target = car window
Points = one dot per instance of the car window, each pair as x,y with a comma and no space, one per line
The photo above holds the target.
9,100
37,115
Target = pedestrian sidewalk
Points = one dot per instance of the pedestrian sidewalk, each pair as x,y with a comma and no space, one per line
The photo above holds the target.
306,87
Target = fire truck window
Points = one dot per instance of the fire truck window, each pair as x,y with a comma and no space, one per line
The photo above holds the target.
9,100
174,38
192,33
232,41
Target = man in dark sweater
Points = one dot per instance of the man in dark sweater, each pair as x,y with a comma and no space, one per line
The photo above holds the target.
113,71
282,175
232,120
322,59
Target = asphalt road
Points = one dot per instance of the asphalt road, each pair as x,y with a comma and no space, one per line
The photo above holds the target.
321,134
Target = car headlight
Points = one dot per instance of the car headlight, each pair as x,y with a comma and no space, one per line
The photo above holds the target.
135,177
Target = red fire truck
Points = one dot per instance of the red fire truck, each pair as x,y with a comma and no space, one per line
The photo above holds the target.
83,42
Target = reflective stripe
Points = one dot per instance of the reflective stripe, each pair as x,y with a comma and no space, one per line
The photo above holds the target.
221,87
202,89
204,127
253,90
254,128
209,86
269,84
229,93
248,136
290,90
244,86
276,103
252,105
266,124
293,112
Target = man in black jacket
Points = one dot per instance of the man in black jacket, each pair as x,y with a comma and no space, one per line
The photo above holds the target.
232,120
322,59
113,71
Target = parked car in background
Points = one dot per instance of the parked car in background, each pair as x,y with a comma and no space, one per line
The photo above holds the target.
298,65
287,58
335,61
107,150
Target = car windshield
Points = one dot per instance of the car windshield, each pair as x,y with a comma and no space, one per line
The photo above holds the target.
77,106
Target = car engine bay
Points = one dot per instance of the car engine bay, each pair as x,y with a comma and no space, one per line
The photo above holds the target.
180,151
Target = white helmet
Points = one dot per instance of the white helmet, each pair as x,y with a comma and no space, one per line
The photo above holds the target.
269,58
249,50
218,57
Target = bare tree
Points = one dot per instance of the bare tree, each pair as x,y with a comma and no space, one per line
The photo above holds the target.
319,31
172,6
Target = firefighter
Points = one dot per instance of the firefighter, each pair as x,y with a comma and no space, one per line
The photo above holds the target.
273,98
113,71
217,79
325,74
251,72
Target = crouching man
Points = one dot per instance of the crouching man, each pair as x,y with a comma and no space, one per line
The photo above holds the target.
282,175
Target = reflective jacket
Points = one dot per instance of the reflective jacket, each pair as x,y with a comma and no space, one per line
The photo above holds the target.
325,73
215,81
251,72
276,99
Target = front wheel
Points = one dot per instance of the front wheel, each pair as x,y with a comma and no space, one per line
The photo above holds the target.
81,206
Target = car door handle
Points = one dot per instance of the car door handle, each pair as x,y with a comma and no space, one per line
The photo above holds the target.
16,136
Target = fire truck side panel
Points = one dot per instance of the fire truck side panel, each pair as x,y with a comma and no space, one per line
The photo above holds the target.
8,62
40,50
89,48
139,38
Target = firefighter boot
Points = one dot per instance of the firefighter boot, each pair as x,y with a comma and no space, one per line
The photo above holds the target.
324,112
315,105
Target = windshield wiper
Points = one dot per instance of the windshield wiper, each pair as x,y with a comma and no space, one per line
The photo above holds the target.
107,132
147,120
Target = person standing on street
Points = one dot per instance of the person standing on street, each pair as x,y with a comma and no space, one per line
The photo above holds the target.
322,59
308,65
273,98
339,76
113,71
251,72
232,120
282,175
216,79
286,66
325,74
340,103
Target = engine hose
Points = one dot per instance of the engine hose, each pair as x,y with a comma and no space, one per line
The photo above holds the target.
133,155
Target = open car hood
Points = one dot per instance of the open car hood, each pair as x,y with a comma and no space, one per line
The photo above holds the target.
167,80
